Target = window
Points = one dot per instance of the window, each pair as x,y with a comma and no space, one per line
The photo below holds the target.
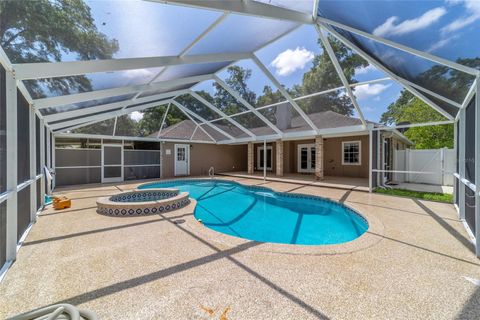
351,153
181,154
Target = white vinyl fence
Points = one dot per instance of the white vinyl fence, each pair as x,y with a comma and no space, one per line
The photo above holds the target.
433,166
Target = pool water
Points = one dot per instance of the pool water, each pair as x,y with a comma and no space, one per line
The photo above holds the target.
260,214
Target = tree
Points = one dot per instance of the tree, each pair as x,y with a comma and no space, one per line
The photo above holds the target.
410,109
323,76
126,126
47,30
237,80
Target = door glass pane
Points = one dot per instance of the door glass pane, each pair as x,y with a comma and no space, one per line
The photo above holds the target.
312,158
112,172
269,158
181,154
304,158
261,158
112,155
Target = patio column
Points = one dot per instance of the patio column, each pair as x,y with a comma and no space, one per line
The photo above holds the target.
319,158
279,158
250,158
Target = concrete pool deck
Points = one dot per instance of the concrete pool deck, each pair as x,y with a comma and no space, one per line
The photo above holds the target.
169,267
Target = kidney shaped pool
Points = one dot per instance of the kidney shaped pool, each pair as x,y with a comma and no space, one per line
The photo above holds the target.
260,214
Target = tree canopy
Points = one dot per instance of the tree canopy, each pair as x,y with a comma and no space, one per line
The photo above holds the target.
48,30
410,109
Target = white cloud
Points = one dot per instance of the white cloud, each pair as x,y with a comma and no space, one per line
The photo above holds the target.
364,70
367,90
137,116
440,44
290,61
473,14
392,27
137,73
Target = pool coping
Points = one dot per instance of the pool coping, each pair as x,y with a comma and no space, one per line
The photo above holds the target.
372,236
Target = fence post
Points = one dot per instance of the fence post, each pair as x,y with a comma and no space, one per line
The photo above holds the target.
407,164
442,165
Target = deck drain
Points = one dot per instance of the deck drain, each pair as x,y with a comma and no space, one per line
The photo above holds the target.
179,221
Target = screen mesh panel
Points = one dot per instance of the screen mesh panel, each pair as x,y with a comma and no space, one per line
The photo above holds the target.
37,146
3,132
23,138
139,157
137,173
78,157
285,118
3,232
112,155
470,142
65,177
445,81
470,208
39,193
23,211
112,172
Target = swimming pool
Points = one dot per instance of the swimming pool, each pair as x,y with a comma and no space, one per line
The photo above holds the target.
260,214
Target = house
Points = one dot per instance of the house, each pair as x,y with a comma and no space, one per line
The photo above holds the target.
341,153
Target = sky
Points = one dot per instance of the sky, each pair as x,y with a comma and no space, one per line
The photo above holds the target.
448,29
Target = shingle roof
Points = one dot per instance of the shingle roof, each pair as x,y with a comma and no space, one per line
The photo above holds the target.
323,120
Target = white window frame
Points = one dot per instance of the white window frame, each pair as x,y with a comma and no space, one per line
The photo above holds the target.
309,159
258,158
359,153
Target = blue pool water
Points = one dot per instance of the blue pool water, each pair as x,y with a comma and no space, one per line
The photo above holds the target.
260,214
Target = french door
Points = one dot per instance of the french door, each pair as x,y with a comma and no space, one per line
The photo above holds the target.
306,158
260,158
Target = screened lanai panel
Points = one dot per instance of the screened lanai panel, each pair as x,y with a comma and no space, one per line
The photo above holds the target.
247,78
3,134
354,67
229,128
214,133
470,142
23,138
101,128
85,105
190,70
165,90
305,6
194,105
448,29
253,123
285,118
145,123
52,87
299,63
108,29
241,33
221,98
330,110
200,135
445,81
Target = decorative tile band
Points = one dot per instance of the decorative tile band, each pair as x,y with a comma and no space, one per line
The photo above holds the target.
142,202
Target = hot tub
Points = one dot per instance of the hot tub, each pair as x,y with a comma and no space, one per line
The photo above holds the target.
142,202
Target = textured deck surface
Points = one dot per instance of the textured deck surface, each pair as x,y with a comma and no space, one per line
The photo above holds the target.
411,265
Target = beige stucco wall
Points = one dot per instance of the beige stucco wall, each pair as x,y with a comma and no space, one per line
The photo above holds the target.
223,158
333,158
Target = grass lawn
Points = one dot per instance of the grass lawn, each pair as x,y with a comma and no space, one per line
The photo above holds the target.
442,197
